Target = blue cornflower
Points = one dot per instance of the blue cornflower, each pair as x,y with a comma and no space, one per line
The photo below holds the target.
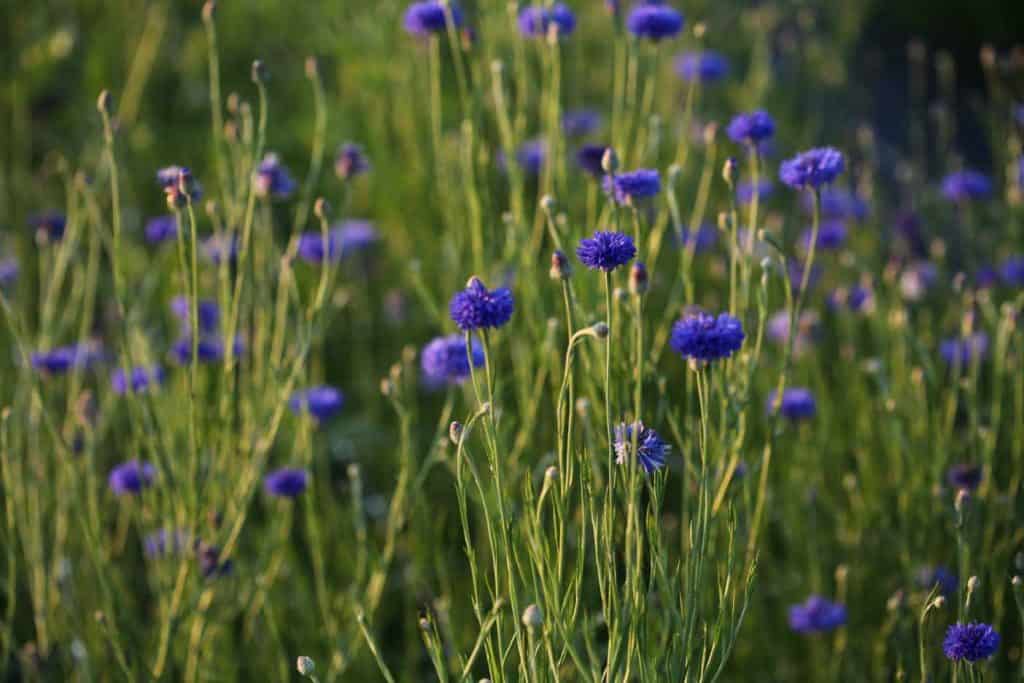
1012,271
590,159
831,236
131,477
273,179
857,298
211,566
323,402
795,270
751,128
813,168
211,349
535,20
59,360
633,186
179,185
311,247
650,448
986,277
49,226
580,122
965,186
700,240
705,337
704,67
141,378
973,642
444,360
606,250
797,403
963,476
532,155
354,235
220,247
9,270
837,203
350,160
161,228
207,311
745,191
962,350
654,21
428,17
477,308
930,577
816,615
287,482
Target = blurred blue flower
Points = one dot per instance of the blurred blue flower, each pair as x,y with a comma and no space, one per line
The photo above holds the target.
654,21
323,402
930,577
831,236
745,191
606,250
580,122
962,350
816,614
813,168
590,157
651,449
965,186
350,161
444,360
49,226
428,17
287,482
273,179
632,186
131,477
963,476
220,247
797,403
210,349
705,67
161,229
536,20
1012,271
207,311
141,379
9,270
751,128
700,240
837,203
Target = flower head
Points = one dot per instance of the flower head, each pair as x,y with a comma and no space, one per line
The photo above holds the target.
633,186
751,128
429,16
476,307
273,179
131,477
9,270
816,614
963,476
350,160
589,158
705,337
831,236
49,226
287,482
207,311
930,577
210,349
221,247
61,359
837,203
700,240
703,67
654,21
965,186
444,360
179,185
141,379
580,122
962,350
650,448
972,642
535,21
161,229
606,250
857,298
532,155
745,191
797,403
1012,271
813,168
323,402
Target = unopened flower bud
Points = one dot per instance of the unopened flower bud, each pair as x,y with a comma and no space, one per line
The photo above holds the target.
729,171
209,10
321,209
104,102
311,67
638,279
551,473
610,161
259,71
601,330
532,617
305,665
561,269
455,431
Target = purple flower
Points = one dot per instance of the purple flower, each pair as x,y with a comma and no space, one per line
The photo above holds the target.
428,17
531,156
444,360
806,330
797,403
323,402
350,160
966,186
654,21
795,269
856,299
207,311
211,566
651,449
141,379
705,337
131,477
179,185
61,359
751,128
273,179
960,351
813,168
220,247
476,307
831,236
535,21
9,270
837,203
580,122
163,542
590,159
287,482
210,350
311,249
816,615
49,226
606,250
161,229
963,477
930,577
1012,271
634,186
745,191
700,240
986,277
972,642
704,67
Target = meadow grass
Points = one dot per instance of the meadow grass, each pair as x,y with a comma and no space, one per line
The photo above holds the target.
449,342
